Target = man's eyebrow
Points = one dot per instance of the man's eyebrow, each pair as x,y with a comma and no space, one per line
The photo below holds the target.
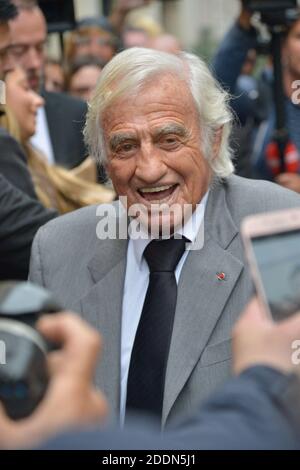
171,128
25,44
117,139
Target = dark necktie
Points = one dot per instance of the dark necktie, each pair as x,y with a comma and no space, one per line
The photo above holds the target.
146,378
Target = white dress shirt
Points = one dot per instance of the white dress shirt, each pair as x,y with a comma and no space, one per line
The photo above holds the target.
136,285
41,139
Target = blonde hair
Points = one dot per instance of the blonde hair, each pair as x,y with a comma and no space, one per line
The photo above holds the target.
56,187
129,71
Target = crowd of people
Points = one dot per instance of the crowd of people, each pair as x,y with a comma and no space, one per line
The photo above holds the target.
128,114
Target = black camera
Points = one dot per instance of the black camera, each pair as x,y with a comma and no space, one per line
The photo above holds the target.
274,12
23,350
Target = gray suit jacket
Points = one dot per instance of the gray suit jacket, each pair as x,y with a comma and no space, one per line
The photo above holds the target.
87,275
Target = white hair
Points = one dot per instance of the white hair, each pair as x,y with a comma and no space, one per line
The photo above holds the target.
131,70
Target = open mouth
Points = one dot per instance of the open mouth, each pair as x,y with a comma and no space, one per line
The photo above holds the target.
158,193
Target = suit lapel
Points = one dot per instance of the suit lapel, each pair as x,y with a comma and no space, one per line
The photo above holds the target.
201,296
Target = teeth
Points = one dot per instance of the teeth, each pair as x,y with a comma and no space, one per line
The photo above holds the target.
155,190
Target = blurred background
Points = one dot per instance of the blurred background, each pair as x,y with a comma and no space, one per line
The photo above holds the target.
198,24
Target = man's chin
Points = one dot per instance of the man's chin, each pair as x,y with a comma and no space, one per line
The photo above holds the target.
159,220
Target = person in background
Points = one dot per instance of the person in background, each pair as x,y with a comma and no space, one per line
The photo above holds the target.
165,43
82,77
54,76
138,30
134,37
92,37
61,119
228,63
56,187
102,37
21,214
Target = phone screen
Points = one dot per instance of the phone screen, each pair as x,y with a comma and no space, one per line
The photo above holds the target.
278,260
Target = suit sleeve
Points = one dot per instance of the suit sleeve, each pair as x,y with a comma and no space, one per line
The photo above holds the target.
248,413
35,267
20,218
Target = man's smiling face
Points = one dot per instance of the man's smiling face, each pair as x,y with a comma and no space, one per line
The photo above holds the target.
153,145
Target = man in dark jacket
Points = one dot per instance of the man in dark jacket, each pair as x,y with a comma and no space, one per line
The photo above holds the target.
60,122
21,214
20,218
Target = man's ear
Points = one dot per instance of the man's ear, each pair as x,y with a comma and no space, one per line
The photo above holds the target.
217,142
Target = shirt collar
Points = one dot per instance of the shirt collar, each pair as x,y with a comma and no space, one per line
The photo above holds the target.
189,230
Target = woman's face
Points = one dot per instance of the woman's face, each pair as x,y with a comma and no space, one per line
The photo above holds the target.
23,102
84,81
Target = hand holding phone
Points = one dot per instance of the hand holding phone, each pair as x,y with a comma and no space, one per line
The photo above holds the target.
272,244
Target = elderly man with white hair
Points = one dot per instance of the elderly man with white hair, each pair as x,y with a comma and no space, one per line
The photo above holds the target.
161,272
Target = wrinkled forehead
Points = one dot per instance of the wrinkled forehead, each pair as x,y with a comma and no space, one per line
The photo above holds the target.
165,100
29,27
124,88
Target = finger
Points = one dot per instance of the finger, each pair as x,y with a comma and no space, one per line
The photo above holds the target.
254,312
81,343
5,421
100,405
291,326
55,361
8,430
252,317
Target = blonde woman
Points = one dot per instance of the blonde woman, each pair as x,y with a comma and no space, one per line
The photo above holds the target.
56,187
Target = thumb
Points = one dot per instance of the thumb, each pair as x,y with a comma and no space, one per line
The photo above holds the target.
253,315
255,311
7,427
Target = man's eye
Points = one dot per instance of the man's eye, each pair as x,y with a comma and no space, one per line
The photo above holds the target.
126,149
40,48
18,50
170,142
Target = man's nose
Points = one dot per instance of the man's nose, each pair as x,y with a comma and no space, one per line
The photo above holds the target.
34,59
150,166
94,49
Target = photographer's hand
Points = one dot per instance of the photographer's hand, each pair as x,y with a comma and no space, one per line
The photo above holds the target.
71,399
258,340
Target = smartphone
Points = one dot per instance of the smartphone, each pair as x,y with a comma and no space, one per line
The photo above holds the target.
272,244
